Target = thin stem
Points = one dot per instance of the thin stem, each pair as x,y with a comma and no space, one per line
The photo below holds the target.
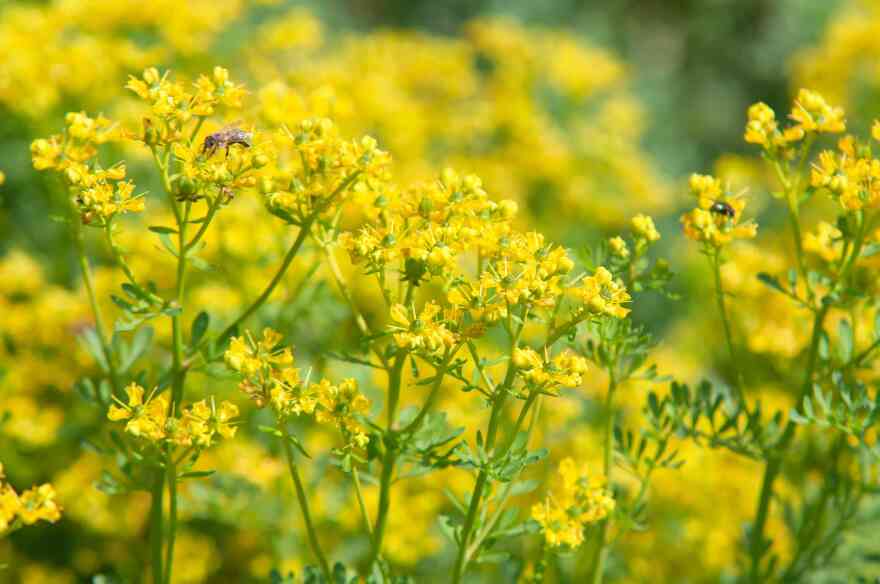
303,503
305,229
89,284
499,397
360,498
440,373
390,457
172,520
156,525
213,206
261,299
349,299
725,320
481,536
597,571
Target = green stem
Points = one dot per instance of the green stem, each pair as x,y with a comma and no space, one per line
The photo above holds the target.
725,320
498,400
304,503
597,570
156,535
360,498
305,229
481,536
390,457
88,282
774,463
172,520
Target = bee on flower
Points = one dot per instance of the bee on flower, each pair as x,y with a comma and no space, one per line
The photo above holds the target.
717,219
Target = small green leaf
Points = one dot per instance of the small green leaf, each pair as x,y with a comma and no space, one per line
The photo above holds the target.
195,474
771,281
161,229
199,327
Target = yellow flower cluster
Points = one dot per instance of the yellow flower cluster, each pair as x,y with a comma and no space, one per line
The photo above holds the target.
825,242
175,105
643,227
549,375
150,419
851,174
717,219
423,332
811,114
270,378
98,193
583,500
35,504
602,294
322,168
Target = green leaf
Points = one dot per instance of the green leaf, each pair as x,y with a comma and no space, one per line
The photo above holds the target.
298,445
166,242
139,344
845,333
195,474
199,327
92,343
270,430
771,281
161,229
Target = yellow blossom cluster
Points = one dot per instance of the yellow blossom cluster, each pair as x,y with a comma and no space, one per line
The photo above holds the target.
825,242
549,374
423,332
643,227
98,193
149,419
35,504
269,378
717,219
810,114
851,174
582,500
322,168
601,294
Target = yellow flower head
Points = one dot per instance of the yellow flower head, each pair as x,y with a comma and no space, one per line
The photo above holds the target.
145,418
643,226
716,220
582,500
602,294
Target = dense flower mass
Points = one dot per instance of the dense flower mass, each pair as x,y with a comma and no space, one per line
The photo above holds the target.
461,233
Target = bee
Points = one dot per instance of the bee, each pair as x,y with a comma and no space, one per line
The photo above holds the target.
723,208
224,138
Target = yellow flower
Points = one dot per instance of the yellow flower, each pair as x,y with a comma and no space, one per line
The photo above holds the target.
618,247
38,504
813,114
602,294
582,500
146,419
425,333
824,242
643,226
9,506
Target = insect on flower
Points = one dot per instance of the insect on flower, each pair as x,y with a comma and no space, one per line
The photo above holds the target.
723,208
224,138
